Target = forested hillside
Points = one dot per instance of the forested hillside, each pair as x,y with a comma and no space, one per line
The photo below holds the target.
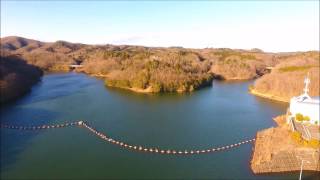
16,78
287,78
174,69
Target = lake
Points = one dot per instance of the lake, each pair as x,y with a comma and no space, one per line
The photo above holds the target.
214,116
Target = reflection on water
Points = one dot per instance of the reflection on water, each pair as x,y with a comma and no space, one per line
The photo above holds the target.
222,114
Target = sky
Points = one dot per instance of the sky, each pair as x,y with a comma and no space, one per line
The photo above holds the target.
273,26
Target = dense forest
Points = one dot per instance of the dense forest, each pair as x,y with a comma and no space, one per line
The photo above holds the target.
173,69
159,70
16,78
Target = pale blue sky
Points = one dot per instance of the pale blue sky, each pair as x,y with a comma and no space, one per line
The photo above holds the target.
269,25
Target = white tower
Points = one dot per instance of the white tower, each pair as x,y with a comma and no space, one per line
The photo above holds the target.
306,85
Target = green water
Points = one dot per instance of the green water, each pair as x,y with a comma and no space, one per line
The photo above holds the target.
219,115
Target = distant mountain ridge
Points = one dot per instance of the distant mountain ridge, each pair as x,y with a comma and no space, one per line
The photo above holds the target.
12,43
158,69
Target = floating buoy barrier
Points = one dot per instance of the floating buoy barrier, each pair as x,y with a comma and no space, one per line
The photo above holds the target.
41,127
128,146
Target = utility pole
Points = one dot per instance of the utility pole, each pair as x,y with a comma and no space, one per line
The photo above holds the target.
301,167
301,170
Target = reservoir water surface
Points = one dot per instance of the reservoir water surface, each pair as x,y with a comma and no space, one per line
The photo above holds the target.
214,116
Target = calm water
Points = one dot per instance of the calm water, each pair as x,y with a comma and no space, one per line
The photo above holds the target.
222,114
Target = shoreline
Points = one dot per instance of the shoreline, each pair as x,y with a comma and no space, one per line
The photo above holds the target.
137,90
268,96
148,90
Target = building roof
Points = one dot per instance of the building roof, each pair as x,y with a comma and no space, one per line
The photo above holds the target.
307,99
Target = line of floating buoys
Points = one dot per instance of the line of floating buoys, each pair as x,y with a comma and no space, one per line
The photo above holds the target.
128,146
41,126
162,151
